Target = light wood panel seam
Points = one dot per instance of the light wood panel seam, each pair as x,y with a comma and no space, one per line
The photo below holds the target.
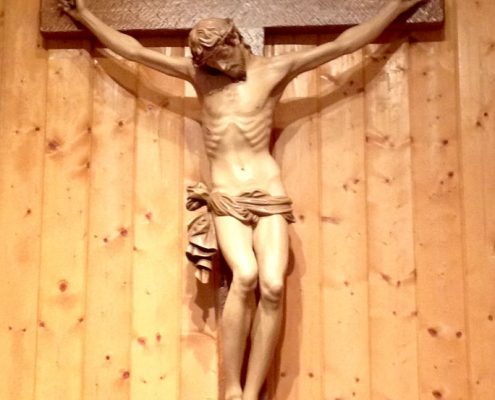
90,49
413,208
452,36
366,213
41,225
132,237
386,110
459,126
367,230
2,44
318,128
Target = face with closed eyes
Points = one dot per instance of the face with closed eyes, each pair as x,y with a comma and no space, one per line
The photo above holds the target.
228,59
217,45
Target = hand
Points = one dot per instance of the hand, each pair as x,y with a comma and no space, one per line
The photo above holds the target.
72,7
404,5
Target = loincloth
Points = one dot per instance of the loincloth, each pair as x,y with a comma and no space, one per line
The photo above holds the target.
248,207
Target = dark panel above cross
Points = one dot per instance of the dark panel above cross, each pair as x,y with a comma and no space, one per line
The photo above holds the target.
161,17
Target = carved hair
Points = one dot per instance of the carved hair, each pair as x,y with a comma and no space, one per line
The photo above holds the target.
210,33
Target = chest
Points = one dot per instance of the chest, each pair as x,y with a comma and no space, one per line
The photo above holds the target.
221,97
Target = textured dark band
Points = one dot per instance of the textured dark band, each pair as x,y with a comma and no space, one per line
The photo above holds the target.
155,17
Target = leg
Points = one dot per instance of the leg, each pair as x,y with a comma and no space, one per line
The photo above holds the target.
236,243
271,244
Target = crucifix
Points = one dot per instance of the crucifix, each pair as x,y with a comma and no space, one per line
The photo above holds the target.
254,19
248,210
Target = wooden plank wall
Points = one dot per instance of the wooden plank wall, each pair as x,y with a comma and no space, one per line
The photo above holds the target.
388,154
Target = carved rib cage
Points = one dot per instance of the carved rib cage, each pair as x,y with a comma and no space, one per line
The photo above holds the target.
387,153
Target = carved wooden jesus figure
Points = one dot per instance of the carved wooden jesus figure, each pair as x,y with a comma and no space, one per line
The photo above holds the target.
248,206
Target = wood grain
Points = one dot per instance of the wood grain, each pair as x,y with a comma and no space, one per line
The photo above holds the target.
442,177
2,38
153,17
22,131
392,275
65,217
343,233
110,254
298,153
442,351
438,231
476,63
158,254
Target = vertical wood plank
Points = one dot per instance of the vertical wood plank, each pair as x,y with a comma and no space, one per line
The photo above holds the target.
64,234
2,39
109,272
199,356
343,232
298,153
22,124
327,324
476,63
158,256
392,276
438,234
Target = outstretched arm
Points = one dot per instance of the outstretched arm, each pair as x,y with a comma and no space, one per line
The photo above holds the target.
127,46
348,42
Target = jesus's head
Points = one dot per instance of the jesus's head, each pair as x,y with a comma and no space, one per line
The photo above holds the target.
217,44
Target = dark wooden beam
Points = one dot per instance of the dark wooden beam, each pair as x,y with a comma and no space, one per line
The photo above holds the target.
165,17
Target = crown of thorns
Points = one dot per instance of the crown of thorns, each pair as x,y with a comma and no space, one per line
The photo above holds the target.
200,56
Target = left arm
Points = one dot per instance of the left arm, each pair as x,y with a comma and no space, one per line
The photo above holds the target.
351,40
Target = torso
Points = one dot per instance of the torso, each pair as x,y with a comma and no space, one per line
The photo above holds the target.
237,121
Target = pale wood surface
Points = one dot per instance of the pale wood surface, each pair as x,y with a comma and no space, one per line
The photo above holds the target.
298,153
109,270
22,130
438,231
2,37
476,66
388,155
65,218
343,229
393,351
157,220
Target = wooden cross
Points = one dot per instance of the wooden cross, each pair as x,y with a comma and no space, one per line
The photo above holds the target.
253,17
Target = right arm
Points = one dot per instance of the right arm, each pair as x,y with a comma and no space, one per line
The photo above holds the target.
349,41
126,46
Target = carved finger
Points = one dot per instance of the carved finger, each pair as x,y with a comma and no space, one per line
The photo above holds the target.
68,4
63,5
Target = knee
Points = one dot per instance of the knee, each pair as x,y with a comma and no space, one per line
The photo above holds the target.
272,292
245,282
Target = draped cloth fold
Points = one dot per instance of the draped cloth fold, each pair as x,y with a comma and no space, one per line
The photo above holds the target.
248,207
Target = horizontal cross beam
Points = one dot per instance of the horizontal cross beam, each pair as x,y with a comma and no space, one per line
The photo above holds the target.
165,17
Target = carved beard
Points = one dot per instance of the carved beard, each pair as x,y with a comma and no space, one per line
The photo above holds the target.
237,72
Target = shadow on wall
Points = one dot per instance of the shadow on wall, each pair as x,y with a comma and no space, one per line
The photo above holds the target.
290,113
